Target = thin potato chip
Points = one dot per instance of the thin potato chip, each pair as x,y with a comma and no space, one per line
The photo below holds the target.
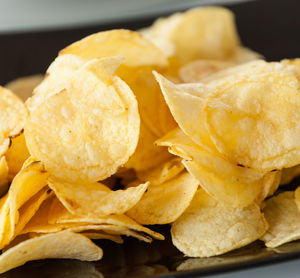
297,197
288,174
5,227
3,176
23,87
164,203
208,228
283,217
59,245
95,199
270,184
97,107
101,235
13,115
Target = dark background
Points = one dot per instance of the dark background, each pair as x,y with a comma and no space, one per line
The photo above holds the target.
270,27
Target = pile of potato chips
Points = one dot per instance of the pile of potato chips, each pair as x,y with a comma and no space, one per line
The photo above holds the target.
178,124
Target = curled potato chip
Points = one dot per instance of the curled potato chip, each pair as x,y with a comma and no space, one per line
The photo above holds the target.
13,115
58,245
208,228
3,176
256,130
96,107
164,203
16,155
24,86
5,226
283,217
297,197
270,184
101,235
288,174
95,199
234,185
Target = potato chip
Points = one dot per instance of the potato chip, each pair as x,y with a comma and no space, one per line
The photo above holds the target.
270,184
297,197
65,245
24,86
97,107
260,119
58,214
164,203
5,227
234,185
163,172
13,115
3,176
283,217
137,50
208,228
288,174
95,199
101,235
25,185
16,155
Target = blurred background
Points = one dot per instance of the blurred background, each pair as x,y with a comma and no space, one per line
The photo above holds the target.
33,31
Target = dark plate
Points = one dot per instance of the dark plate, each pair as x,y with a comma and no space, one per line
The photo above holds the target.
268,26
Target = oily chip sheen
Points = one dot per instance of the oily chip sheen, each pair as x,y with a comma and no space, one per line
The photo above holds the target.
208,228
58,245
283,216
96,129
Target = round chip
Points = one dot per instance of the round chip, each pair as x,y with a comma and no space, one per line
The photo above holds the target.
253,116
13,115
86,132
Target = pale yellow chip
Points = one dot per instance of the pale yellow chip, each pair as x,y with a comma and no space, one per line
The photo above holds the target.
260,137
164,203
96,107
162,173
3,176
208,228
24,86
25,185
95,199
13,115
283,217
233,185
16,155
288,174
64,245
270,184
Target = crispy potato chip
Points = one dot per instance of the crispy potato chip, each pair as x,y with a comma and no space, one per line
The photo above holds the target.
95,199
234,185
101,235
25,185
270,184
97,107
283,217
59,245
5,227
24,86
57,77
208,228
164,203
13,115
260,119
162,173
60,215
297,197
3,176
137,50
288,174
16,155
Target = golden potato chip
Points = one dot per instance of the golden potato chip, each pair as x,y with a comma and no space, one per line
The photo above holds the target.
260,119
234,185
102,235
162,173
65,245
57,77
16,155
24,86
208,228
13,115
95,199
97,107
5,227
25,185
283,217
3,176
297,197
58,214
288,174
164,203
137,50
270,184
